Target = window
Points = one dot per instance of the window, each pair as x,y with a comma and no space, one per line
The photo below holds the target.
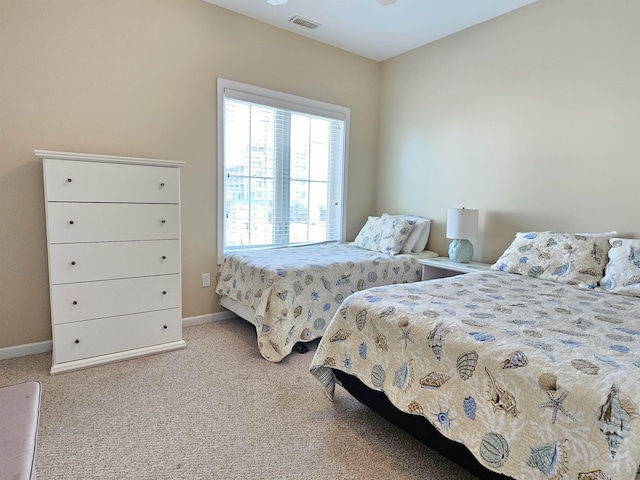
281,169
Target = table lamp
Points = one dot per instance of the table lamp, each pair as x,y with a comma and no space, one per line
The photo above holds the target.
462,224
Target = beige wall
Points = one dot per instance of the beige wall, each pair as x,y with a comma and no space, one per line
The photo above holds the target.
138,78
533,118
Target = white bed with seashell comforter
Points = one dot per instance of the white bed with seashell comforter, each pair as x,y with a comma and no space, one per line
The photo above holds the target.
537,377
291,293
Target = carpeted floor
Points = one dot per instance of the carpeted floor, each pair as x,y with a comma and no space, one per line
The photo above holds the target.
215,410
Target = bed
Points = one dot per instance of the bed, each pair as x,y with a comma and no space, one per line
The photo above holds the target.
291,293
531,370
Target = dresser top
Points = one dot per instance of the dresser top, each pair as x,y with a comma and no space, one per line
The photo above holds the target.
88,157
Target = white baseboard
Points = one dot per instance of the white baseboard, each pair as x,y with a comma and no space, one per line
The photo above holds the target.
26,349
208,318
47,346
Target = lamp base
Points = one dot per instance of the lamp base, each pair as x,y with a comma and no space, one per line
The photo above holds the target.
460,251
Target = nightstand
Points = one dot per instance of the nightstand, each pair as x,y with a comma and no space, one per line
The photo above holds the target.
441,267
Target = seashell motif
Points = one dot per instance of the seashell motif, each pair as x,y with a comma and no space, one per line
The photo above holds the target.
466,364
330,362
561,270
434,380
258,320
500,398
415,408
381,341
361,319
604,318
283,295
308,280
388,311
435,340
340,336
258,293
536,271
494,449
372,277
377,376
275,346
319,324
227,277
343,280
297,311
360,285
305,335
404,376
265,329
351,264
474,323
239,295
548,382
550,459
431,314
633,280
362,350
594,475
469,407
325,283
563,310
516,360
338,299
444,419
614,421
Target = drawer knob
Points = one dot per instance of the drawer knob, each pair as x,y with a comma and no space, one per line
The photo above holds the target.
75,302
163,221
69,180
164,292
77,341
73,263
70,222
165,327
162,184
164,257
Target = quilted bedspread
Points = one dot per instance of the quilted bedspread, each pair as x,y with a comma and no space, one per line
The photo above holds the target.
294,291
538,379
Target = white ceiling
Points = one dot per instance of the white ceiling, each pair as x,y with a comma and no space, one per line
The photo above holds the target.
366,28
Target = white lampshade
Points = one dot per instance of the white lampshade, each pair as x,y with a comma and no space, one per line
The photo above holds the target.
462,223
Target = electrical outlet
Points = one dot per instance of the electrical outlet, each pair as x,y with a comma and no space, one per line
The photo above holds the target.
206,279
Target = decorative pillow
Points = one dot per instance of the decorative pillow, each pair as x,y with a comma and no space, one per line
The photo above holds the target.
418,235
622,273
557,256
384,234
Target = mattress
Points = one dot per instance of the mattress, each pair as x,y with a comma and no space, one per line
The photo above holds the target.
537,379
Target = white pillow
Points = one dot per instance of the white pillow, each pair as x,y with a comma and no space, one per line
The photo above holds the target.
384,234
421,244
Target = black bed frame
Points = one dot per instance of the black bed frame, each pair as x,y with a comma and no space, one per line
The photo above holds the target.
416,426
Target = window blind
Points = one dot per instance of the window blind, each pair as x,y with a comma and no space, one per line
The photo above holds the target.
283,169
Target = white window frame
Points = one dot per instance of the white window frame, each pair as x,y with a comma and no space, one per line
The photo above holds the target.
282,100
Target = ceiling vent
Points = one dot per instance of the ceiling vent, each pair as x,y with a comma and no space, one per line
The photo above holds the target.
303,22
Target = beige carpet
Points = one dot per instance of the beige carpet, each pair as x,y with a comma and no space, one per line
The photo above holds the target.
215,410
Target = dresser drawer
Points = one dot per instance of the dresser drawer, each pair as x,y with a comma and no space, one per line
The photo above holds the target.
81,262
96,222
73,341
72,302
73,181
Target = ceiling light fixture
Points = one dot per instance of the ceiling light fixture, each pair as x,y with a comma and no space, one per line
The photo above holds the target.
278,2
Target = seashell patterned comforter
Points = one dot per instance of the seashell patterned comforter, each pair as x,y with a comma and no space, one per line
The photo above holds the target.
539,380
294,291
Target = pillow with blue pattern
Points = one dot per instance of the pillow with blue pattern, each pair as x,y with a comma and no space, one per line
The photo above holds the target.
622,273
384,234
574,259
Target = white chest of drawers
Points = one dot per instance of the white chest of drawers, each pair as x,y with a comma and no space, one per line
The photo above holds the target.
113,237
